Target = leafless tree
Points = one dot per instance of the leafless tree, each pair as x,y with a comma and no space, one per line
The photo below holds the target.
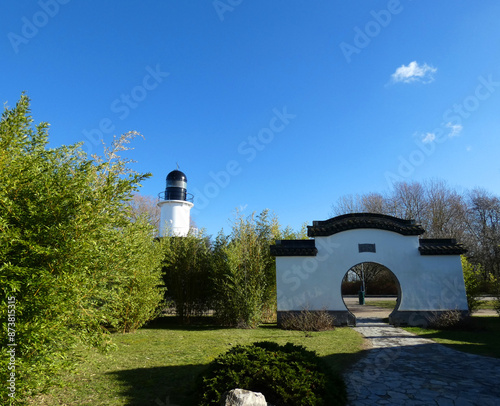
377,278
472,218
145,205
445,211
374,203
368,203
408,201
370,270
347,204
483,227
440,209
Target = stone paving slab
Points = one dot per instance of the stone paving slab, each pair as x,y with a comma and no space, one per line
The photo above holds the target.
404,369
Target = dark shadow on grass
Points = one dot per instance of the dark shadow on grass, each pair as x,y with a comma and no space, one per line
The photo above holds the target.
175,323
178,385
194,324
160,386
340,363
479,337
473,345
269,326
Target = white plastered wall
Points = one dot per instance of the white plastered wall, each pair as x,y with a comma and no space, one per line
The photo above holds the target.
428,282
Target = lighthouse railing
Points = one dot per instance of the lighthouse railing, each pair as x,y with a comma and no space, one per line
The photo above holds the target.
189,197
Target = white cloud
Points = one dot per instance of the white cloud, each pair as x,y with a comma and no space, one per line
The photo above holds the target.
455,129
414,73
429,137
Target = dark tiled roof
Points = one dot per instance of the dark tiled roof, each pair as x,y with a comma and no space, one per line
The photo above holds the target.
440,246
291,248
363,220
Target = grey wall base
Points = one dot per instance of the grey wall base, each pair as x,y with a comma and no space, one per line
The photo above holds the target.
414,318
341,317
417,318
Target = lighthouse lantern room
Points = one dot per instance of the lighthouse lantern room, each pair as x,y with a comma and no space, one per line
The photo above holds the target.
175,204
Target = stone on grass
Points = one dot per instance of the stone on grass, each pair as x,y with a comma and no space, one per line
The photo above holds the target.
242,397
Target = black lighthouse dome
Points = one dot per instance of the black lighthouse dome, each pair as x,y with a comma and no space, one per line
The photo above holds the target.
176,186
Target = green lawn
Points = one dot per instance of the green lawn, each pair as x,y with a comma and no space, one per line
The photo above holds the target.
390,304
482,336
386,304
487,304
163,361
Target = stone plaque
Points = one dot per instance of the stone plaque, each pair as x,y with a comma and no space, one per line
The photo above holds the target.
366,247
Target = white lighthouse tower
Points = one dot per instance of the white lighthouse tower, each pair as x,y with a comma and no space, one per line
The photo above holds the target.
175,205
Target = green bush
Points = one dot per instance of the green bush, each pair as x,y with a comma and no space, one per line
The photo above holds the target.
244,273
186,273
472,279
71,258
496,302
133,294
286,375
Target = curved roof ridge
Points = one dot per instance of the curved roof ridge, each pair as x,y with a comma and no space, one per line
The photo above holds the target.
364,220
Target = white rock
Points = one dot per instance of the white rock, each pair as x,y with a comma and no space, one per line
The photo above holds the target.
242,397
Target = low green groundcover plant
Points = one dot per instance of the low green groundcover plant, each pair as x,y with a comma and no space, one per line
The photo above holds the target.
286,374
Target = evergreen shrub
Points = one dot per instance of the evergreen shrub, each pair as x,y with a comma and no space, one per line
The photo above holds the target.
286,374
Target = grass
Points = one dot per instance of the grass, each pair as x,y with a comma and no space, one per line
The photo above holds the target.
391,304
487,304
159,365
481,337
386,304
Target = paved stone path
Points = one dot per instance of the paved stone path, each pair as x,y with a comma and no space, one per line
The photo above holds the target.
403,369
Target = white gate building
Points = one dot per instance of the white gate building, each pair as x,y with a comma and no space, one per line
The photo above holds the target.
429,274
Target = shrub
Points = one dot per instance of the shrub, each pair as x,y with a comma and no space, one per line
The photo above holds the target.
286,375
244,271
351,287
186,273
132,296
472,279
70,257
308,321
496,304
448,320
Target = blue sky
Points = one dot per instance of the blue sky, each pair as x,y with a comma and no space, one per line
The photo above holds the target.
285,105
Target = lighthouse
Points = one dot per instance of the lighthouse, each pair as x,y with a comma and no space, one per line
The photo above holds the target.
175,204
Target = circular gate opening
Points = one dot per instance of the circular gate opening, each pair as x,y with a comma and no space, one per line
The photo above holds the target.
371,290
